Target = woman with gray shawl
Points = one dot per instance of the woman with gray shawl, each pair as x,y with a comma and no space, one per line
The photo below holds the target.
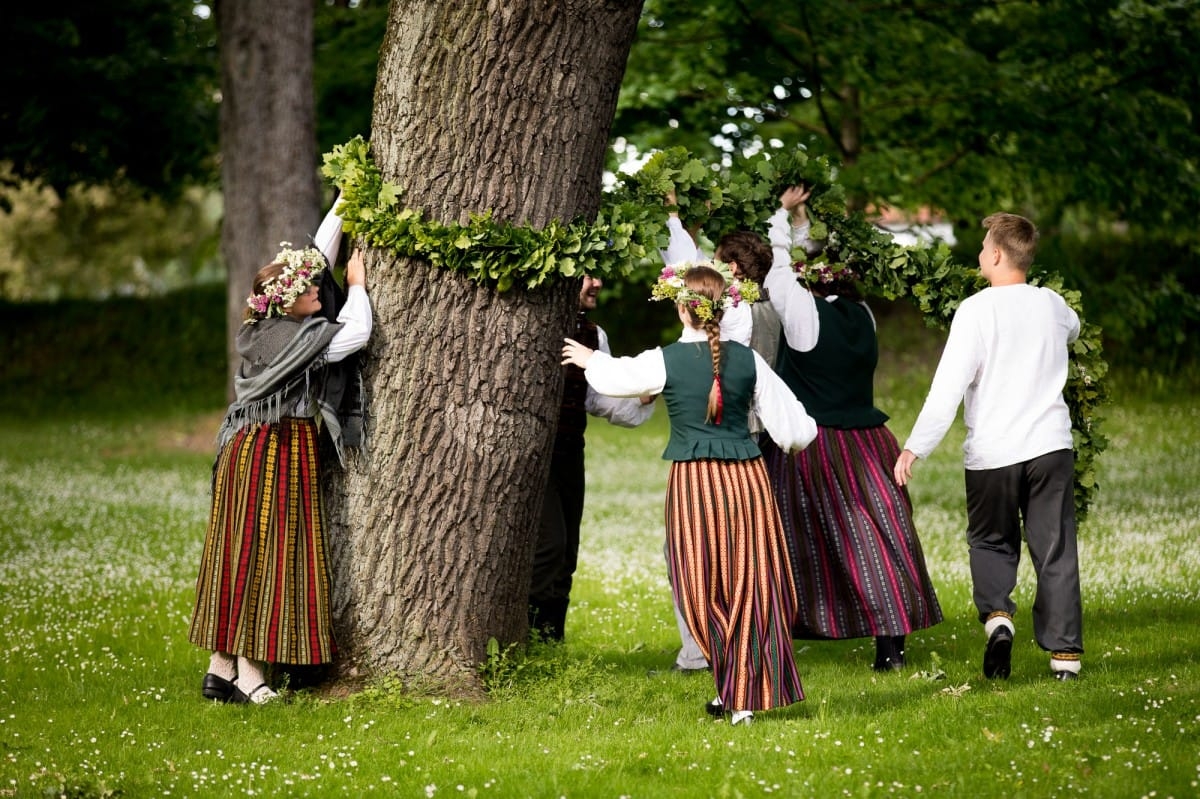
263,594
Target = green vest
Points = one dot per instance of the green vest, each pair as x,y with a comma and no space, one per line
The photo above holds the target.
689,378
836,379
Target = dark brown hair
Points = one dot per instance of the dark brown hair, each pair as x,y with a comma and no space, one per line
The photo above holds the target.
749,251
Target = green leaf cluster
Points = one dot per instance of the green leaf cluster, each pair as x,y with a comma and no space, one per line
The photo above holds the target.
486,250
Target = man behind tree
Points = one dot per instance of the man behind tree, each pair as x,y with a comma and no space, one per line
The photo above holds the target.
557,550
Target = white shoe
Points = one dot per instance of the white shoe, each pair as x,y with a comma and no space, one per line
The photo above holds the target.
259,696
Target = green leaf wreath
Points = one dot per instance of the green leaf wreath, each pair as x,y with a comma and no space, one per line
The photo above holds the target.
712,200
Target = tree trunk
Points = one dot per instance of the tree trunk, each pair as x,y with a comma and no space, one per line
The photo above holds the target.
268,139
479,105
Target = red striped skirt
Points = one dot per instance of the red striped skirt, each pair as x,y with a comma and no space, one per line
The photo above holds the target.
263,589
859,567
732,580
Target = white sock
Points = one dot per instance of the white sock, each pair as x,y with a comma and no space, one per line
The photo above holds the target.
741,715
224,665
991,624
250,674
1066,664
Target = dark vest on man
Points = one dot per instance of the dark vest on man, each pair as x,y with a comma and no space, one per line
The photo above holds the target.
572,418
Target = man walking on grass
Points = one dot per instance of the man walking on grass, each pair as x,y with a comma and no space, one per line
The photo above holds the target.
1007,356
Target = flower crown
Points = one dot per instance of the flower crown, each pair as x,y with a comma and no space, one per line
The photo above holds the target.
301,268
671,286
821,271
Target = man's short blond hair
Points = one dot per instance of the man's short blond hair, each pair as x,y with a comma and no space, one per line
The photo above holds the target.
1016,237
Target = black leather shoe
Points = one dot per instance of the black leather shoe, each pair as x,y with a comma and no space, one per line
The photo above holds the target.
218,689
1065,676
889,653
715,709
997,658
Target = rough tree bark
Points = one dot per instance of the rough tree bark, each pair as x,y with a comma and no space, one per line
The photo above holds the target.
268,140
479,105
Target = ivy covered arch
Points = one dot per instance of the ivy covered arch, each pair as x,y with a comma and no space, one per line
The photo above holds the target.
631,227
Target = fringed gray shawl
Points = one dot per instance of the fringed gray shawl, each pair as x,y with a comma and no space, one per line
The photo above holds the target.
284,373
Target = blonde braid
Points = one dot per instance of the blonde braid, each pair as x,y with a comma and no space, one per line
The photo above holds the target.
713,328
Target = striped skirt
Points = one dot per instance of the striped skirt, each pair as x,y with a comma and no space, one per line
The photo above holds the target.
263,589
731,579
859,567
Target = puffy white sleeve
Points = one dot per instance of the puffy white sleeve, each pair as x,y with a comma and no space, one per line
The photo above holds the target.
782,415
621,411
737,324
356,320
634,376
328,238
795,305
681,247
1071,320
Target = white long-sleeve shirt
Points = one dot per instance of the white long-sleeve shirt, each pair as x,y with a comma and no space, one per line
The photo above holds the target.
1006,359
621,411
783,416
736,323
355,316
328,238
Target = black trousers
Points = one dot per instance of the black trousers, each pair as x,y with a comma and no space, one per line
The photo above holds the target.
556,553
1040,492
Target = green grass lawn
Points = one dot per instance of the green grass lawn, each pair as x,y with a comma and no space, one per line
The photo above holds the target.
100,529
101,521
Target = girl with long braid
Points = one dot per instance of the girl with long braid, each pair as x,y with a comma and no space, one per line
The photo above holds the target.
730,572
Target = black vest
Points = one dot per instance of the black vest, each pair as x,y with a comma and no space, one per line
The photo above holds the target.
572,418
836,379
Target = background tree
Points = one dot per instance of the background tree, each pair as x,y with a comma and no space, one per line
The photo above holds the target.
964,107
1077,114
347,43
109,147
96,92
268,139
478,107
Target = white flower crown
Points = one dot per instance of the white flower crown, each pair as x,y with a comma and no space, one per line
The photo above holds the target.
671,286
301,268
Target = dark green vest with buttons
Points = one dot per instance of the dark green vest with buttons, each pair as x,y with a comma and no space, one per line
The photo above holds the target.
836,379
689,378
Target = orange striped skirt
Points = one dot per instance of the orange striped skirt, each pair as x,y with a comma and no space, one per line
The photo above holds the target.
263,589
732,579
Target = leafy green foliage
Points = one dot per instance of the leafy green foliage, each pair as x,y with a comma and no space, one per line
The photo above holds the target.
485,250
964,107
